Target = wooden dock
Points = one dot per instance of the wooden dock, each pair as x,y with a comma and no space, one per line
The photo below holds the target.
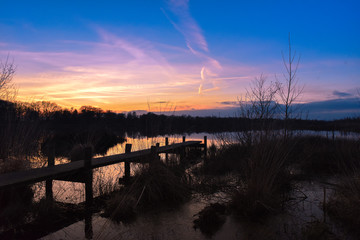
82,171
52,172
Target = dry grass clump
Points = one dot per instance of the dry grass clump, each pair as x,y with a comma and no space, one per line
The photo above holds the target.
12,164
210,219
153,186
121,207
344,205
317,230
19,141
19,137
227,158
162,185
315,155
15,204
265,179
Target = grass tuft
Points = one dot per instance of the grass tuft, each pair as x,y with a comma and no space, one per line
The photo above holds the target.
344,205
265,179
155,185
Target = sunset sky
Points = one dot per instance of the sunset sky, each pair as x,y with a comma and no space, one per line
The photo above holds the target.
197,54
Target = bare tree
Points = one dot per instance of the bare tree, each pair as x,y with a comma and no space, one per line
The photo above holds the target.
261,97
289,89
7,71
259,105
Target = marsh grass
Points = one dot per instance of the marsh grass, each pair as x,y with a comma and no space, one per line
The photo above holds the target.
210,219
265,179
319,156
19,143
15,205
226,159
155,185
344,204
317,230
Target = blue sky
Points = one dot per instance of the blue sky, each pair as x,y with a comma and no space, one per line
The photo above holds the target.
193,55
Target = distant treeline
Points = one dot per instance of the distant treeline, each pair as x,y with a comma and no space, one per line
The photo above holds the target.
55,118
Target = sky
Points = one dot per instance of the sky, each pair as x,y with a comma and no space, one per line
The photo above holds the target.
184,55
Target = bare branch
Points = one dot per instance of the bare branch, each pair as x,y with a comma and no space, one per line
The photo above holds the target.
260,98
7,72
289,90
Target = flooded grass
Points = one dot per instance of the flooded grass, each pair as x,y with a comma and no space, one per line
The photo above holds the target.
258,191
344,205
152,186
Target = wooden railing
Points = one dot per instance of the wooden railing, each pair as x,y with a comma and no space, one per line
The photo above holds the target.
54,171
82,171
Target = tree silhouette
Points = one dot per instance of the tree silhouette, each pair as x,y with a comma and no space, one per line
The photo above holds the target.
289,89
7,72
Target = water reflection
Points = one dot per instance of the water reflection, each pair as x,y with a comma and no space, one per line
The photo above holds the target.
106,178
175,224
178,223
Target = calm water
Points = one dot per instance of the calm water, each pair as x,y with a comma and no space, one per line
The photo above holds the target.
178,223
106,178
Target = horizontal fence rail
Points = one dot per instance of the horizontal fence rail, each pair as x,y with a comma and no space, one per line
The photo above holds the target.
52,172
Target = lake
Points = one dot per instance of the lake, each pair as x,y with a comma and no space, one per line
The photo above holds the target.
305,206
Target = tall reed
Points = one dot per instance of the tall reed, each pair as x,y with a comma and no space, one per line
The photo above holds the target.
264,179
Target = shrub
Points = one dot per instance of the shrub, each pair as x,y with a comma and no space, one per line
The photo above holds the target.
211,219
265,178
228,158
153,186
15,204
344,205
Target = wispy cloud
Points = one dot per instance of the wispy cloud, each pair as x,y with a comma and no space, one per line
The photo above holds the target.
113,70
185,24
182,21
122,72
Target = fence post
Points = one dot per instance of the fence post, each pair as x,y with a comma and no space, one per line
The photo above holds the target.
324,205
127,164
89,175
166,154
205,148
49,182
88,192
153,154
183,151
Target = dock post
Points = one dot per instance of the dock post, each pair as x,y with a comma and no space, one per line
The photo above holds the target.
324,205
205,148
154,155
127,164
49,182
166,154
89,175
88,192
182,151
